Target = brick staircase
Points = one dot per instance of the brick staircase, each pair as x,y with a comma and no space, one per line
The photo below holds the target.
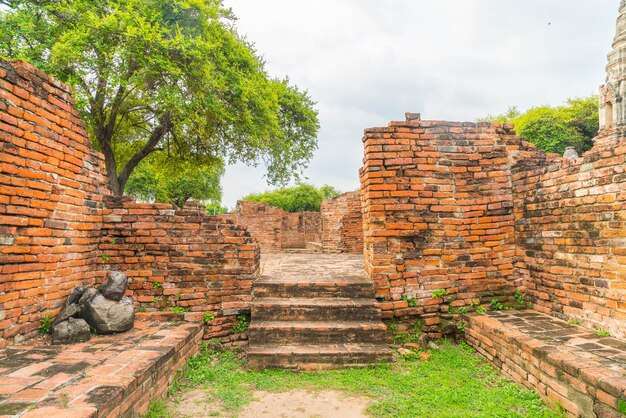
304,317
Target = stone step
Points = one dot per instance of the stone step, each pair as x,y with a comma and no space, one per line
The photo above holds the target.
321,289
320,309
314,357
316,332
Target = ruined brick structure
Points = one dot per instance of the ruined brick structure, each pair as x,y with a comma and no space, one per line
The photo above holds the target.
276,229
474,210
181,258
570,232
342,224
51,192
53,235
438,213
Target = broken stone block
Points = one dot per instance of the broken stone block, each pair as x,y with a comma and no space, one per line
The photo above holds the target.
69,311
114,288
108,316
75,295
88,295
73,330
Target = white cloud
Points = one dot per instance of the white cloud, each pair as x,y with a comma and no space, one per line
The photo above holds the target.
366,62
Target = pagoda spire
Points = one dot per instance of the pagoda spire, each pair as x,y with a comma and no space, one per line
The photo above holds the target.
612,106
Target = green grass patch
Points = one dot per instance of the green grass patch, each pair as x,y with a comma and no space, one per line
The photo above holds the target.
453,382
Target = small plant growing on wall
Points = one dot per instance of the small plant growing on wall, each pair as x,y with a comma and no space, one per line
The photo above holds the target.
412,302
496,305
242,324
603,333
179,309
45,325
208,317
440,293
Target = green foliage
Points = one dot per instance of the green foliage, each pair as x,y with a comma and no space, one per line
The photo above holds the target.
105,257
168,180
412,302
243,322
165,76
179,309
460,310
520,297
208,317
45,325
621,405
496,305
453,382
156,285
552,129
329,192
481,310
603,333
440,293
411,335
215,208
301,198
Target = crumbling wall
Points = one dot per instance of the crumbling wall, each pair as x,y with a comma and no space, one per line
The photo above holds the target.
181,258
438,214
571,235
342,222
276,229
300,228
51,189
52,236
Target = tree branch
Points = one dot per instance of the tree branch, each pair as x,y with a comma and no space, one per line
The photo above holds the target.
165,125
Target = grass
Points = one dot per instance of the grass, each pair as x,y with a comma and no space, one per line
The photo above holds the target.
453,382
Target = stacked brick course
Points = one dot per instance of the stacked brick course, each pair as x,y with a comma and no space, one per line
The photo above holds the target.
52,236
342,224
571,235
438,213
51,190
274,229
181,258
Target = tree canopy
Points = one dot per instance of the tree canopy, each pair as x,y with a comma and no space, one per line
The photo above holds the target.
165,75
301,198
162,179
552,129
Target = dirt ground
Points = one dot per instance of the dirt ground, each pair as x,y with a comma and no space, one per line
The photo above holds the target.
292,404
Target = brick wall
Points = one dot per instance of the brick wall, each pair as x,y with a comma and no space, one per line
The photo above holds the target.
342,222
181,258
264,222
300,228
571,235
438,214
52,237
51,190
276,229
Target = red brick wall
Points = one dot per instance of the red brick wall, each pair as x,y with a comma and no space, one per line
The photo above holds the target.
276,229
571,235
52,237
342,223
51,187
264,222
181,258
300,228
438,214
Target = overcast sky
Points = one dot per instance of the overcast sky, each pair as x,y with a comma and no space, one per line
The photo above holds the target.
366,62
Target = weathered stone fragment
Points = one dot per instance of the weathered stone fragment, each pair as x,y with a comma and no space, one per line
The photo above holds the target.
73,330
114,288
108,316
69,311
75,295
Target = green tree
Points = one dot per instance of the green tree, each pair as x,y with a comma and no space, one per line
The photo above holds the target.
301,198
329,192
171,75
167,180
216,208
552,129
